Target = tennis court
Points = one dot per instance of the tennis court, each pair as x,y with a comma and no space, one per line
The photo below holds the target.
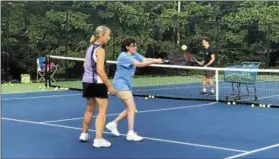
48,124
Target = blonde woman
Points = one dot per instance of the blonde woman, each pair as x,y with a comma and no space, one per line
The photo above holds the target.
96,86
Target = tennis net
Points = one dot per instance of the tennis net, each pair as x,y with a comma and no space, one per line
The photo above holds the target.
245,83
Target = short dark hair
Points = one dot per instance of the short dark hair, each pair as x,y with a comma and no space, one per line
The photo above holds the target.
127,42
206,39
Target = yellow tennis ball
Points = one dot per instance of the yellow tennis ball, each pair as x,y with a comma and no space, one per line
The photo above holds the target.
184,47
136,110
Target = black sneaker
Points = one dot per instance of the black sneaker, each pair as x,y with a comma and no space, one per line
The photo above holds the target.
203,93
212,94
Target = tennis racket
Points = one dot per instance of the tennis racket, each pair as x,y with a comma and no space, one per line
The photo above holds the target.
166,60
197,61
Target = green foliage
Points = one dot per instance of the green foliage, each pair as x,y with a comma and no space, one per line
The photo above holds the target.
240,30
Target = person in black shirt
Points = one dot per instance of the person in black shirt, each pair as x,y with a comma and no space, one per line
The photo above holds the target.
209,60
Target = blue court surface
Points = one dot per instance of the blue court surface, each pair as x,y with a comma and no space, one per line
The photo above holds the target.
48,125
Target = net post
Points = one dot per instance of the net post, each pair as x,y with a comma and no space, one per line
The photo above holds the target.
47,71
217,84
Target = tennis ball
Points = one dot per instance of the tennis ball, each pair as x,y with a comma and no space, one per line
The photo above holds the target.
252,105
149,96
268,105
260,105
146,98
56,88
12,85
229,103
184,47
153,97
66,88
233,103
263,105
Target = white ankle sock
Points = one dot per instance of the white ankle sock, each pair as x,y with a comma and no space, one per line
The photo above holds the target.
130,132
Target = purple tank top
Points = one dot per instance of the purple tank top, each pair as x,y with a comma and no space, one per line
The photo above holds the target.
90,74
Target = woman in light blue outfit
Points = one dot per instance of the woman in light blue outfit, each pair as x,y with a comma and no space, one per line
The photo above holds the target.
127,62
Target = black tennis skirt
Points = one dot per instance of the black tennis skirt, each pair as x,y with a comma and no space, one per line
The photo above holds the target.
93,90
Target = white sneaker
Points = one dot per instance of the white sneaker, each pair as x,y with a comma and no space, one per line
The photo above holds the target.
133,137
101,143
84,137
112,127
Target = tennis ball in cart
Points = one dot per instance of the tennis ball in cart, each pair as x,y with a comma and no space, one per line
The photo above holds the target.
184,47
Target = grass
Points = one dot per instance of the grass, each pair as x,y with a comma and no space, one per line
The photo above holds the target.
23,88
142,81
137,82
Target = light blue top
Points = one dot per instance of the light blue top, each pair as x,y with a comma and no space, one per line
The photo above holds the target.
125,71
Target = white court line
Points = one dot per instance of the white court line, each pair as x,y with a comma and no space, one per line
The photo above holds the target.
46,91
36,97
268,97
187,87
149,138
260,97
253,151
144,111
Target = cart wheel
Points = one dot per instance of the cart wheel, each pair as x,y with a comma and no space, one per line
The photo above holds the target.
238,97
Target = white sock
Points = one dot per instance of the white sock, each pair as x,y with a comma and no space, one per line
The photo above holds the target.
204,89
98,140
130,132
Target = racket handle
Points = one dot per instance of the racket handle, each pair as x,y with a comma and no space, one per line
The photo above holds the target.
166,61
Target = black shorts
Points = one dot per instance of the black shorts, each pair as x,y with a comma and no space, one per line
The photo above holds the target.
93,90
209,73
